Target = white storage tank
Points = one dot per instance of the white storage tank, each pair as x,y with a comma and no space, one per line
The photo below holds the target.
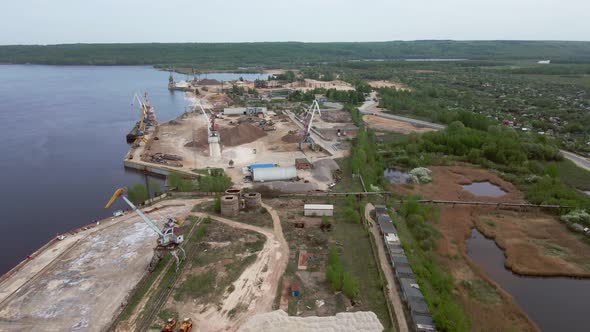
274,173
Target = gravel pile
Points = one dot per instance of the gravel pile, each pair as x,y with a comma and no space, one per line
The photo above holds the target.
322,170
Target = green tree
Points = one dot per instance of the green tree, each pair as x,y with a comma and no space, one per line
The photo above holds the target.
217,204
349,286
351,215
137,194
552,170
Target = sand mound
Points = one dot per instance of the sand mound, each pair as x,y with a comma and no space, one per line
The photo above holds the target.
291,138
240,134
344,321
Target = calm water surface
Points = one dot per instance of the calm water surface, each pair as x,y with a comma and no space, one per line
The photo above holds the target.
484,189
554,304
62,131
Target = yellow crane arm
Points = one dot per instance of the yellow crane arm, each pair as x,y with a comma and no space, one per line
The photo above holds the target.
117,193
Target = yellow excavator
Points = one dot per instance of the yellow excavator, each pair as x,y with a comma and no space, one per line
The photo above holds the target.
170,237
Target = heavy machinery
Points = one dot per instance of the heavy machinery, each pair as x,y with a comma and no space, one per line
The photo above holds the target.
169,326
186,325
169,237
147,118
306,134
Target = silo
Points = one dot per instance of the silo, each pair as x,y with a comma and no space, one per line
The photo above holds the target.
274,173
233,192
253,200
230,205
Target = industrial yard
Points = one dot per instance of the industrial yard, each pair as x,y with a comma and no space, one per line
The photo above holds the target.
236,138
74,282
277,211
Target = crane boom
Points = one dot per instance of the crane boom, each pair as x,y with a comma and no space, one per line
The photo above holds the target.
121,193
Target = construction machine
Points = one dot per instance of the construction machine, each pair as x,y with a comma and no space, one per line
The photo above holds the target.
186,325
306,134
169,237
169,326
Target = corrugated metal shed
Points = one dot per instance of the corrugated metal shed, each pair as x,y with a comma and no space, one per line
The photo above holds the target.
319,206
254,166
318,210
234,110
274,173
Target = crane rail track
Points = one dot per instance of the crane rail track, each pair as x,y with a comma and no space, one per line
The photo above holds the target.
146,320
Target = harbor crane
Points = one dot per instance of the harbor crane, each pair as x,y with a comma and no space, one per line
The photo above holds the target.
169,237
211,128
306,134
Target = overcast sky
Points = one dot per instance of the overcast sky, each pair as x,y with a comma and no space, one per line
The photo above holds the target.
122,21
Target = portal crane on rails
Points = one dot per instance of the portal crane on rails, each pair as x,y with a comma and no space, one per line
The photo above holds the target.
211,128
306,134
170,237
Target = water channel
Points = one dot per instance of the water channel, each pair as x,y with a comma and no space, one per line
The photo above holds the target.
554,304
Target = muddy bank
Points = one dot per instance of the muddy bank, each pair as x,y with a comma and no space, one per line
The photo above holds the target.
535,243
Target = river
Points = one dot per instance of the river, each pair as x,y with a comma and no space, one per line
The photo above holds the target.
554,304
63,131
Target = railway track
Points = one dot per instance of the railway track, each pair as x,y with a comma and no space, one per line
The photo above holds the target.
144,321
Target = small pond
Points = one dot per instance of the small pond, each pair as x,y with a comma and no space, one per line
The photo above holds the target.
554,304
484,189
396,176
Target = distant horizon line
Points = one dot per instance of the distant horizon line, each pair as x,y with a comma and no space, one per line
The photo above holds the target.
305,42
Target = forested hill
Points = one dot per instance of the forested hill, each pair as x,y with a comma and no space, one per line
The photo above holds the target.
231,55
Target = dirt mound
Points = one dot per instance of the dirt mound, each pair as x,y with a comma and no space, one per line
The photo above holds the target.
201,139
291,138
240,134
206,81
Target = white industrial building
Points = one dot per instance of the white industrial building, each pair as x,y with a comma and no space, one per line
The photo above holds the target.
274,174
318,210
244,110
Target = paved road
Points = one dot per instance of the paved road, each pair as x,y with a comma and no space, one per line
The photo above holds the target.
368,106
388,271
577,159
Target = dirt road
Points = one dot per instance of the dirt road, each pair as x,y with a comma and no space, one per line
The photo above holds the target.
577,159
256,287
392,292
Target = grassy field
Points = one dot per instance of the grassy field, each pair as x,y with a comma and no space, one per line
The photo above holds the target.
357,258
573,175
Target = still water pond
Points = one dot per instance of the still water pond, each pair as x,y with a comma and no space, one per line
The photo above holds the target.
484,189
554,304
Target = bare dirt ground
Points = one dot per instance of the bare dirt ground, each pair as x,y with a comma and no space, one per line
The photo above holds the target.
245,143
535,243
255,289
388,84
309,84
81,288
383,124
